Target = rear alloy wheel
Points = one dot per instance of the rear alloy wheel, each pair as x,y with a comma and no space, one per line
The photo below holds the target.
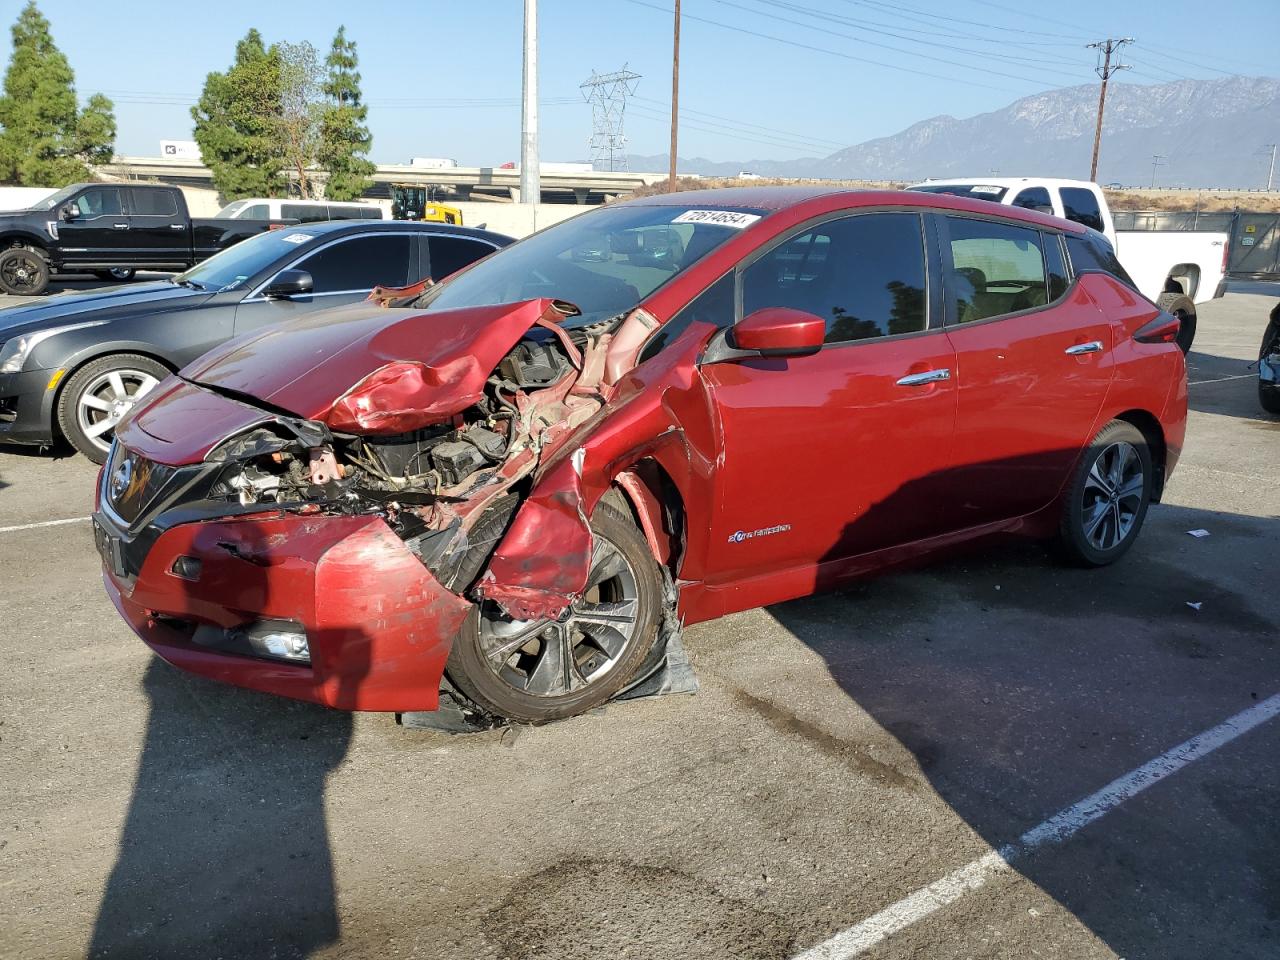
539,670
115,274
1269,393
23,272
1109,496
1184,308
100,395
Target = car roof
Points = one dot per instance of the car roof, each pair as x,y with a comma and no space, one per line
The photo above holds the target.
816,200
325,228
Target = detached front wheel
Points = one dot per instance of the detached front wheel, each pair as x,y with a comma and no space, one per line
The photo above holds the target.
539,670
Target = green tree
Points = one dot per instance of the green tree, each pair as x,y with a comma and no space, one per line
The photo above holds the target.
344,138
300,109
46,141
238,123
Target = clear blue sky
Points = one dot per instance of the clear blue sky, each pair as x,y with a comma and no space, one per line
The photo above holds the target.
443,78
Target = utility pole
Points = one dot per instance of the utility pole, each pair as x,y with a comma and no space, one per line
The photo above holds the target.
1157,160
675,100
1105,70
530,182
1271,170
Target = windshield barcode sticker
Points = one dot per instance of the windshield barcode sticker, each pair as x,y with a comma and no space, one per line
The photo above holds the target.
718,218
296,238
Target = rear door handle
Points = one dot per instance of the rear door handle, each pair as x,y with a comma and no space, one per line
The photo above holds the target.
1093,346
929,376
121,226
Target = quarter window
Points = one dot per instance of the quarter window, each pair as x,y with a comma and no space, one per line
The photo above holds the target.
1081,205
152,203
997,268
1093,254
864,275
1055,265
359,264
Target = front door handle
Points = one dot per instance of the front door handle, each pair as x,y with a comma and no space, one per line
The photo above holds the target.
929,376
177,226
1093,346
121,226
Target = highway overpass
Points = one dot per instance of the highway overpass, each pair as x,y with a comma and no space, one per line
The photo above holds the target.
459,183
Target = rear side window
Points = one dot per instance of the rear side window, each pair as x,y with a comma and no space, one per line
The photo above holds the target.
1034,198
153,203
304,212
1081,206
1093,254
864,275
360,264
451,254
997,268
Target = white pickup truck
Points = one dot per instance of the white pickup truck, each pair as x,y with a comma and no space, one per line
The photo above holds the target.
1174,269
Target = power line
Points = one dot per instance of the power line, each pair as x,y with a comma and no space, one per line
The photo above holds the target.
816,141
833,53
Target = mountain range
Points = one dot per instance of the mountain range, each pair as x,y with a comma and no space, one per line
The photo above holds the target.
1210,133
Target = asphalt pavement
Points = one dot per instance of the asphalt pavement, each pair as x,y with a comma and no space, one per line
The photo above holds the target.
844,754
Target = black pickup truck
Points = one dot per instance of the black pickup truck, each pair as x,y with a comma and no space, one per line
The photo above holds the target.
110,229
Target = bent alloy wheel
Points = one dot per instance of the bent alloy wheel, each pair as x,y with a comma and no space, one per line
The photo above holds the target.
539,670
100,396
23,272
1109,497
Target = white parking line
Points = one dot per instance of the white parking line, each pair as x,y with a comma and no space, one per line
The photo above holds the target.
1243,376
861,937
43,523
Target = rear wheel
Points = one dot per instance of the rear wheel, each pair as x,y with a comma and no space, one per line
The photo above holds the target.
23,272
99,396
539,670
1269,393
1108,498
115,274
1184,308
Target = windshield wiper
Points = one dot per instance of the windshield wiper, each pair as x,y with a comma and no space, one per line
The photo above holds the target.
184,282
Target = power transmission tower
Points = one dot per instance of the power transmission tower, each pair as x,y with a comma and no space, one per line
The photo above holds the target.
1157,160
1105,69
607,93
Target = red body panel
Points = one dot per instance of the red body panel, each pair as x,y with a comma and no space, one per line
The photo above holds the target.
378,624
793,473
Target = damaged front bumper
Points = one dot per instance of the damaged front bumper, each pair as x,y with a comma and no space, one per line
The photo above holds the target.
377,625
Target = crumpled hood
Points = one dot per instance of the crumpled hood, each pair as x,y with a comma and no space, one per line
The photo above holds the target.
110,303
368,370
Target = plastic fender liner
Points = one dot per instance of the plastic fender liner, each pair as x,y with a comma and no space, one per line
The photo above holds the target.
525,578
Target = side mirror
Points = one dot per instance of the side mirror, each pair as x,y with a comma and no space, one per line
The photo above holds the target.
780,332
68,211
288,283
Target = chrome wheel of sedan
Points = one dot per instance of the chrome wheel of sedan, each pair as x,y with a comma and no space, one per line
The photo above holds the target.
107,399
551,658
1113,494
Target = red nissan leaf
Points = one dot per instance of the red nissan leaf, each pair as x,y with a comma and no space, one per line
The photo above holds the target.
518,484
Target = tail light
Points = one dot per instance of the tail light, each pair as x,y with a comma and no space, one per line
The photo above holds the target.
1163,329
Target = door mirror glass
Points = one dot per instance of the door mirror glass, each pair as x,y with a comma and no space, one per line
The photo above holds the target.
779,332
68,212
288,283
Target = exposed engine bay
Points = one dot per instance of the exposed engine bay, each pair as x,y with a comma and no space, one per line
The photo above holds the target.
449,489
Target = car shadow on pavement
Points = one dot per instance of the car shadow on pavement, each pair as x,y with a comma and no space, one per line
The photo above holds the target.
1020,685
225,848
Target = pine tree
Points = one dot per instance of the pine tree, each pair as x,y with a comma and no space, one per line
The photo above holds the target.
45,140
238,122
344,137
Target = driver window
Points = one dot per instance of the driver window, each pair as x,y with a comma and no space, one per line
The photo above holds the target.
997,268
864,275
99,202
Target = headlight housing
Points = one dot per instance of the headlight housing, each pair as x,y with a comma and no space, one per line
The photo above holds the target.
14,353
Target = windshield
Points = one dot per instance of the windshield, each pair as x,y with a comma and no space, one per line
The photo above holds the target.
49,202
604,262
231,209
230,268
978,191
